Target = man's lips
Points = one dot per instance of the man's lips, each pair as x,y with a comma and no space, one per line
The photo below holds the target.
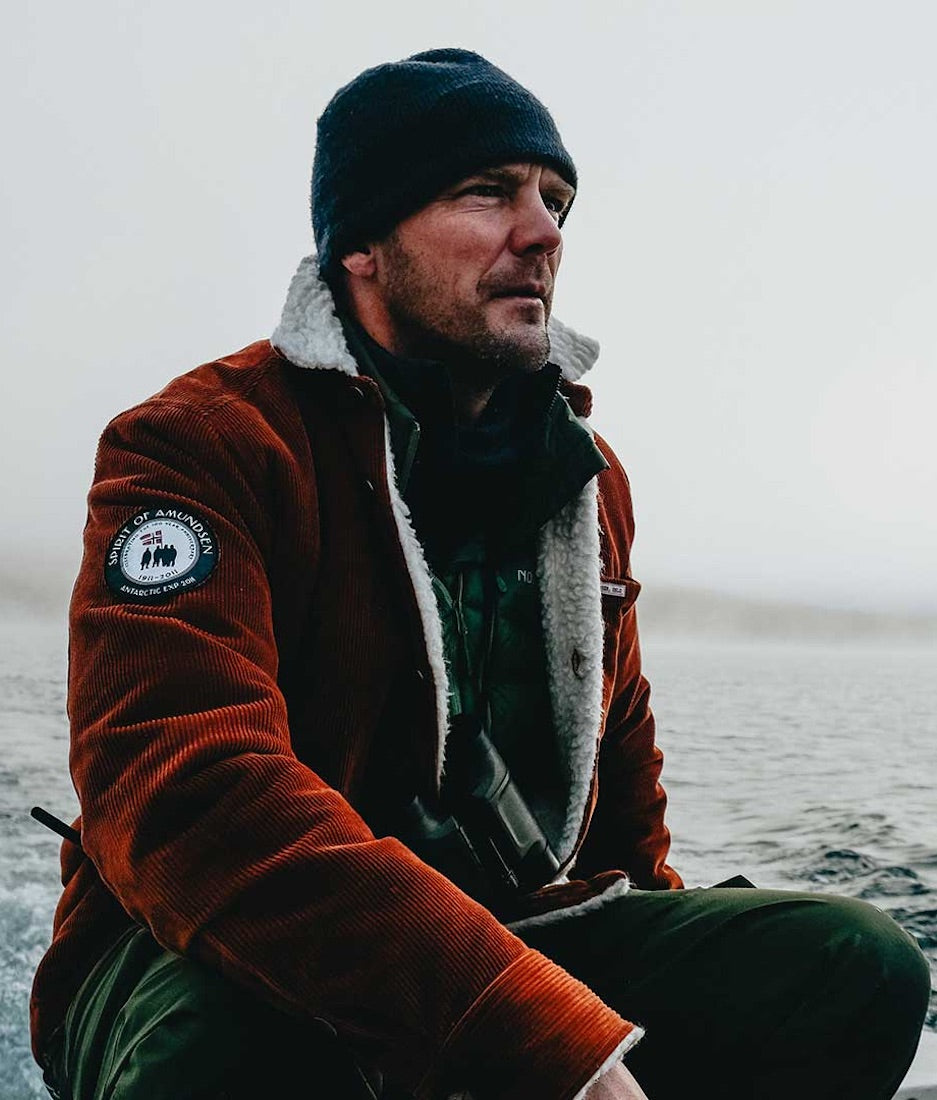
528,291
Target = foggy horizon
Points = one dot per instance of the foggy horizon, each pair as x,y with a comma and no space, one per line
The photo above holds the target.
664,611
753,244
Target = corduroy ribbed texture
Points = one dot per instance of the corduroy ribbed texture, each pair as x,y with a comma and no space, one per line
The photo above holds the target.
225,741
554,1049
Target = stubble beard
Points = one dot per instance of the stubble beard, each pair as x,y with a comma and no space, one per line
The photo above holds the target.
477,355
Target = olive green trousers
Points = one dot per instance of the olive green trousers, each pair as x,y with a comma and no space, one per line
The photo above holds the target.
750,994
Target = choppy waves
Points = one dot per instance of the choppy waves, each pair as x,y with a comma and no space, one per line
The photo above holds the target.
33,768
805,768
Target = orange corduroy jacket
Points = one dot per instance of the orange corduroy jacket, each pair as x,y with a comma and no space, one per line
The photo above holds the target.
226,741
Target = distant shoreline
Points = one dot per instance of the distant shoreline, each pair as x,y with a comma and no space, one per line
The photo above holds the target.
668,610
663,611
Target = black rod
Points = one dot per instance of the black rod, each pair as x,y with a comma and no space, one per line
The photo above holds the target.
53,823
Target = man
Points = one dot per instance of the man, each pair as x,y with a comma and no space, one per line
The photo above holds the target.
399,620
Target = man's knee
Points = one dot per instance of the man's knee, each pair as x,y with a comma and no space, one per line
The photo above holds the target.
868,952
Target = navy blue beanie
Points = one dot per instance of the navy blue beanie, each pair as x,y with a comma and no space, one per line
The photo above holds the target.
399,133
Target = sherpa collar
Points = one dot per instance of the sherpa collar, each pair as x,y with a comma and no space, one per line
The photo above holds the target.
310,334
568,561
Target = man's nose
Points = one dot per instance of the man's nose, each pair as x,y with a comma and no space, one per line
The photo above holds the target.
535,228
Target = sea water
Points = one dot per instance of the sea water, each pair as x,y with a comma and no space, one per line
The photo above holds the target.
804,766
800,766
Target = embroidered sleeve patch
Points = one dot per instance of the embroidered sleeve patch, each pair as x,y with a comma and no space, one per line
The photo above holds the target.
159,553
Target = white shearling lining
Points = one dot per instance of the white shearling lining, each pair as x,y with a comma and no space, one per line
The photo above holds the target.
616,889
572,352
630,1040
568,568
310,335
633,1037
426,602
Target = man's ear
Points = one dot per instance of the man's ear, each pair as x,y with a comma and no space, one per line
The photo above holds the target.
362,262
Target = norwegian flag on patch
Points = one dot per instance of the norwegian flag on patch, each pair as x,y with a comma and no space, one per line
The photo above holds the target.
148,540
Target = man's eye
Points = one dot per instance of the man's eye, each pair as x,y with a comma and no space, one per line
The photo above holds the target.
554,205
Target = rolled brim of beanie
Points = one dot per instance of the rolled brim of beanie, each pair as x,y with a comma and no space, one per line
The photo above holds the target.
471,146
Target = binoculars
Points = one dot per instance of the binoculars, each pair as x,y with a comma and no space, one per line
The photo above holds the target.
484,837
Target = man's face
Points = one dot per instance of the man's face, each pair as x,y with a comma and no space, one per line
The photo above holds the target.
469,277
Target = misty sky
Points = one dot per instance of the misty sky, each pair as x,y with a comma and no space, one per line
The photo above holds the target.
754,243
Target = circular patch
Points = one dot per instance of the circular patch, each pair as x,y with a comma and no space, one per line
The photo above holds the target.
160,553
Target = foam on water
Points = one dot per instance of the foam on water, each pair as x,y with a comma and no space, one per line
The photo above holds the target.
802,767
34,768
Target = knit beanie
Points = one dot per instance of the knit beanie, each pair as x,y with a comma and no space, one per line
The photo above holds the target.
399,133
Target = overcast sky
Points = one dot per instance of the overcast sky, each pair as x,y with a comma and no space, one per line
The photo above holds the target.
754,244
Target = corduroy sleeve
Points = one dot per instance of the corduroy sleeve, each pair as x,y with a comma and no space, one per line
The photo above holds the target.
202,822
627,830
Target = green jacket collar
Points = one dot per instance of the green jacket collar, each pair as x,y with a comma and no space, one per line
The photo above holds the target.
528,457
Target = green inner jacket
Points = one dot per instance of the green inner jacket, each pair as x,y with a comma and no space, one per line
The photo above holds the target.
485,577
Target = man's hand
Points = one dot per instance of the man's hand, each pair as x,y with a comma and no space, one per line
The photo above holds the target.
617,1084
